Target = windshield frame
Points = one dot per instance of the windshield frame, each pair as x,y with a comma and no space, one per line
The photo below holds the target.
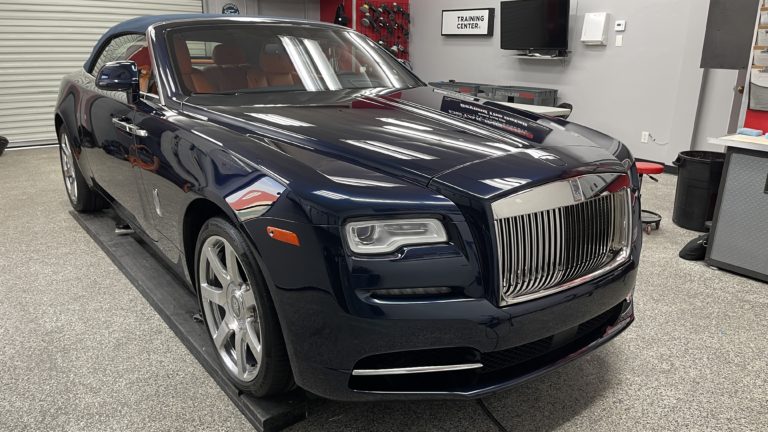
177,91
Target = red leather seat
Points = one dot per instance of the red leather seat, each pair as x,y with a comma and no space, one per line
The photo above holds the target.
194,79
277,67
229,71
649,168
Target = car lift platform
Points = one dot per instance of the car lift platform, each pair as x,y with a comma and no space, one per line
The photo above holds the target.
176,305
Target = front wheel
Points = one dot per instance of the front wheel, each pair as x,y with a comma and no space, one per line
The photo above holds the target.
238,311
81,196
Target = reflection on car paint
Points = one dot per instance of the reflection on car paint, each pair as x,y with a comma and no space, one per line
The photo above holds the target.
281,120
361,182
339,196
264,191
388,149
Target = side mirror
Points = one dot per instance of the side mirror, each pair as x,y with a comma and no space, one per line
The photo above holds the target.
120,76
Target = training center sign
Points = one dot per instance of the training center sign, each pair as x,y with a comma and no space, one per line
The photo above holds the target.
468,22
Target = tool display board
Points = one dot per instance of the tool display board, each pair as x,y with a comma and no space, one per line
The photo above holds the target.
387,23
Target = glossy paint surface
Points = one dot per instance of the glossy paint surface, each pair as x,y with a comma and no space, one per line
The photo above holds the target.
307,162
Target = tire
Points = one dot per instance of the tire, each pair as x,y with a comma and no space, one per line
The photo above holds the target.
81,196
238,311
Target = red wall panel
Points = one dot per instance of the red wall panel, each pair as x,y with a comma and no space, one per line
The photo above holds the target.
386,25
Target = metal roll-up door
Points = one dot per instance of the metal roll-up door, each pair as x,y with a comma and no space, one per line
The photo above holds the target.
43,40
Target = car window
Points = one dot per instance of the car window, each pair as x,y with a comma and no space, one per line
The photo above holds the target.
116,50
275,58
134,48
201,52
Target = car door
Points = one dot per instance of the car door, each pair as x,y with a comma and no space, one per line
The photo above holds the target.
113,153
165,178
168,164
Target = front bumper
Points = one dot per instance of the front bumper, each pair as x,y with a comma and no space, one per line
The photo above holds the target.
329,332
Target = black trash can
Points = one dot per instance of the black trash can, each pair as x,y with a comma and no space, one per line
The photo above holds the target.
3,144
698,182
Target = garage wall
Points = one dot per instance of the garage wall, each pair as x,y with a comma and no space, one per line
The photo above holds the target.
652,83
41,41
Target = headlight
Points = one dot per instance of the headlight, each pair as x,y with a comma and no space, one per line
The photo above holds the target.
383,236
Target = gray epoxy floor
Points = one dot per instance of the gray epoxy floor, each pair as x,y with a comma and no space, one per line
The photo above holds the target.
80,349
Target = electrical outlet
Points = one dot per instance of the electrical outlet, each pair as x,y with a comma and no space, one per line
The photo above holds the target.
645,137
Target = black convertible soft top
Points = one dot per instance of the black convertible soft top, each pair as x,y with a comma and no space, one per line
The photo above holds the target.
136,26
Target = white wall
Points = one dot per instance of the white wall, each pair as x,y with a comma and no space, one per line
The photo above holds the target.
652,83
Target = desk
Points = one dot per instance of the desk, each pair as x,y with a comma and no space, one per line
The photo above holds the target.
538,109
759,143
740,227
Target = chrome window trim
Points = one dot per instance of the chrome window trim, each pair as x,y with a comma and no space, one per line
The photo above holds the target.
151,96
150,38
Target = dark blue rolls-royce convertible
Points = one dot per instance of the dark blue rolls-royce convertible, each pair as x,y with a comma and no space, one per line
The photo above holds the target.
346,228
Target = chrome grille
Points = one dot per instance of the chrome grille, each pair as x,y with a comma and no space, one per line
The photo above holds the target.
550,250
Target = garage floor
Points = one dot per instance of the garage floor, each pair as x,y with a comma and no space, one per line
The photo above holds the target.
80,349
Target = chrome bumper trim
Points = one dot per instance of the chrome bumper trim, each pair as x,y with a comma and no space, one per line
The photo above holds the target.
416,369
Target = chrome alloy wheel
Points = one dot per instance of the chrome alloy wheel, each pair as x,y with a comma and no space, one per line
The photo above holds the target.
230,308
68,167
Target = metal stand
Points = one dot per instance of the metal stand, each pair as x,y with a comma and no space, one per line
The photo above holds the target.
176,305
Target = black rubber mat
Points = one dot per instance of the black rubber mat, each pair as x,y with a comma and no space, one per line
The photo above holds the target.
176,305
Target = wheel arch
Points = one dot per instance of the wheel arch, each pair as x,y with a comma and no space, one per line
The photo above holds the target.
197,213
60,124
58,121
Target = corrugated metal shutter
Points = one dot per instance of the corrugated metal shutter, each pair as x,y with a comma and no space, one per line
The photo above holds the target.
43,40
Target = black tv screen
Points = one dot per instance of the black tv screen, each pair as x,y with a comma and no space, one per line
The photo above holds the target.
535,24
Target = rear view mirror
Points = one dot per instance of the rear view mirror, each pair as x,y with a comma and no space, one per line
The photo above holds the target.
119,76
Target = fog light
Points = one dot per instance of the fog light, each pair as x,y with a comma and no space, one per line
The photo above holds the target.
411,292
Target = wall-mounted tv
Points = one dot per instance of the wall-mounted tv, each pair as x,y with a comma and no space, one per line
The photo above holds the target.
535,24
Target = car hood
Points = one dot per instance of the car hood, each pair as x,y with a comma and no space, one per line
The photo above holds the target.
392,135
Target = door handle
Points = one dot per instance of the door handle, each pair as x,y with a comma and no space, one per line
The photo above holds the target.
130,128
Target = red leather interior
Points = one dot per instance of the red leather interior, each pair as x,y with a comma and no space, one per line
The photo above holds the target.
229,71
228,55
193,79
277,67
140,56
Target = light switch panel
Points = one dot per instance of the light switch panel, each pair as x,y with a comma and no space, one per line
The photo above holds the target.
619,40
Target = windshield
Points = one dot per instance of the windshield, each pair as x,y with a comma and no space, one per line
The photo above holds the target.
269,58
